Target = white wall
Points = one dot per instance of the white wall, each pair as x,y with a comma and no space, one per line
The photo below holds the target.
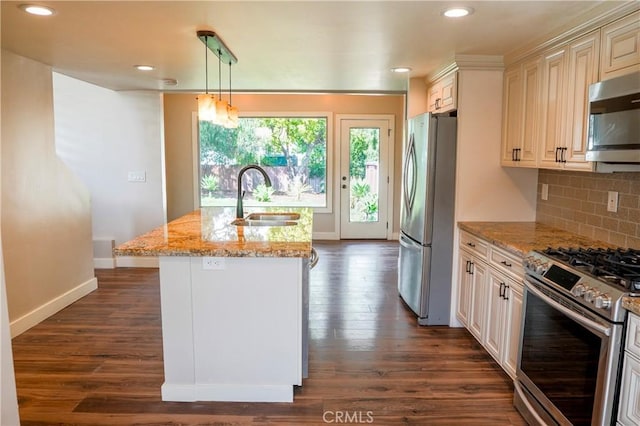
46,212
102,135
8,398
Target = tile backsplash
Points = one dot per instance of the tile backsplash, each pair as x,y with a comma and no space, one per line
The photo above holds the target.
578,203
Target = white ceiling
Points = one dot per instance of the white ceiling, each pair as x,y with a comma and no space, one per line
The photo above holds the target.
281,46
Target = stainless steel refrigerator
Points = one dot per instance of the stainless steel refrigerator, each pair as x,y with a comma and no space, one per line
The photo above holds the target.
427,217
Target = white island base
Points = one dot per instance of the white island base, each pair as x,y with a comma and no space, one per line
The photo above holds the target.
233,333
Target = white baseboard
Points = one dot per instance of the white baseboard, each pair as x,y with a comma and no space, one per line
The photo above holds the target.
395,236
104,262
454,322
44,311
137,262
227,392
326,236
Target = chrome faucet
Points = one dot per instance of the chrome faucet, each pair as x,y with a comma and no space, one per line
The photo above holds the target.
267,181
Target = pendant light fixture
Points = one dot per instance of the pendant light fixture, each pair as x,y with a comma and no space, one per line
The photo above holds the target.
232,112
206,102
210,108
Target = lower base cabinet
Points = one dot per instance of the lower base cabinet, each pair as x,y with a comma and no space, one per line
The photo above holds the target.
504,311
629,407
490,293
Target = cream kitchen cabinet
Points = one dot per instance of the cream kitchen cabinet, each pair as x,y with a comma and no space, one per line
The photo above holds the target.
620,47
567,73
472,293
490,297
521,103
443,94
629,407
504,308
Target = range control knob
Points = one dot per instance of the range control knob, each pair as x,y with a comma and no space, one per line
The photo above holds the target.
541,268
590,295
529,262
603,301
578,290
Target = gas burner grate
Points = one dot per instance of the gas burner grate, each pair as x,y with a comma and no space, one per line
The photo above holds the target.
619,267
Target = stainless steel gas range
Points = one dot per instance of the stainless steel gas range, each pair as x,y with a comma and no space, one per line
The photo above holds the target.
571,339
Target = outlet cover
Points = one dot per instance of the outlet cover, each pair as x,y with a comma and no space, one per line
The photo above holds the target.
612,201
545,191
213,263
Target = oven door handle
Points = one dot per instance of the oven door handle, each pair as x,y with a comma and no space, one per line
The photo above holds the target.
568,312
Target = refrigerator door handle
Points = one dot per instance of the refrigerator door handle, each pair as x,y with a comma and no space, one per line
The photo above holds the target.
410,161
404,242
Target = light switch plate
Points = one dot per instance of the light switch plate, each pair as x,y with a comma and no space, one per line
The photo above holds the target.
137,176
612,201
545,191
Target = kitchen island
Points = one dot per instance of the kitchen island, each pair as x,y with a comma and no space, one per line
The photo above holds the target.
234,305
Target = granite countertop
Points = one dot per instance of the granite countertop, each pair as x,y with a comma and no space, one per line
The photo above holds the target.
522,237
632,304
208,232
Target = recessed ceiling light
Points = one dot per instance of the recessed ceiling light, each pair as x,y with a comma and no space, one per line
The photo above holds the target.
35,9
144,67
457,12
401,69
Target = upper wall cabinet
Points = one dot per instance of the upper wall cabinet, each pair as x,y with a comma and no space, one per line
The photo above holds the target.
546,98
566,75
521,115
443,94
620,47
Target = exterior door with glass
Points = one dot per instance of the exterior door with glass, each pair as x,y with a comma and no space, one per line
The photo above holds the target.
364,178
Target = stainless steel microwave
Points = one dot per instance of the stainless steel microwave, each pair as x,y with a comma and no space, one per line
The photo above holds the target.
614,120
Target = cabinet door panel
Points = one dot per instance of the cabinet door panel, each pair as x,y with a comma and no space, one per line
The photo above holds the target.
478,299
464,288
629,408
621,47
495,314
512,100
530,112
513,321
553,78
582,72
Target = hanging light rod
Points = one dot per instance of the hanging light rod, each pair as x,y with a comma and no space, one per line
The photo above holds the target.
217,46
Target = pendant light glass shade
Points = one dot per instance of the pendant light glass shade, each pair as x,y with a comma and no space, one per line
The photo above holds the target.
232,117
206,107
221,112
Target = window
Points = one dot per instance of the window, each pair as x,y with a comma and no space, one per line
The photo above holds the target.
292,150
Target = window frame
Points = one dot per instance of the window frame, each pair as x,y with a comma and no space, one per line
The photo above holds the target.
195,151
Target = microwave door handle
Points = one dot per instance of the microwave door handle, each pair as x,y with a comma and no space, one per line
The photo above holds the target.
568,312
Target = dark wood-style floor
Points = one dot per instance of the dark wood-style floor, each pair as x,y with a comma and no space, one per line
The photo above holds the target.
99,361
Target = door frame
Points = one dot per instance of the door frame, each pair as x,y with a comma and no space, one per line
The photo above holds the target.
390,118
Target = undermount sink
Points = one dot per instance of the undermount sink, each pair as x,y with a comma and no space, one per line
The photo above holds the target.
278,216
268,219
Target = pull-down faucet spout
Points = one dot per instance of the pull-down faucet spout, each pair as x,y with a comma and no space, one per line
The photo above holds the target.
267,181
